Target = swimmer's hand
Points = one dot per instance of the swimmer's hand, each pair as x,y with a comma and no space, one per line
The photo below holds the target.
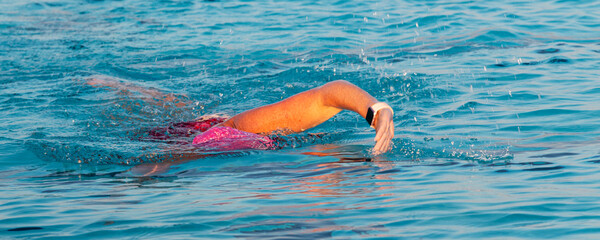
384,128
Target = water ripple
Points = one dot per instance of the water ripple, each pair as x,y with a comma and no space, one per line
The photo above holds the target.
496,119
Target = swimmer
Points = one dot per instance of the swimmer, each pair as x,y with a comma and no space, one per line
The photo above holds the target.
295,114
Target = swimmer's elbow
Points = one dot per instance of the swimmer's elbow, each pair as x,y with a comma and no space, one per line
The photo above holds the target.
327,90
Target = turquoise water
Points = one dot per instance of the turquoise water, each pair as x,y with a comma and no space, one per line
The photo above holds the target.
497,119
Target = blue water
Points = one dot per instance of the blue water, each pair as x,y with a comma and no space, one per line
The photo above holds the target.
497,119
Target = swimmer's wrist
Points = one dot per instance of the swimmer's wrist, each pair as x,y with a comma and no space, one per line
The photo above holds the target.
374,109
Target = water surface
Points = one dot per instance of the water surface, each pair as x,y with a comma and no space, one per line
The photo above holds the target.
497,119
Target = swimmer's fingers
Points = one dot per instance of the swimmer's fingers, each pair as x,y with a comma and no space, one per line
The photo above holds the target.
391,136
382,120
382,145
378,149
378,134
383,135
388,144
387,138
385,131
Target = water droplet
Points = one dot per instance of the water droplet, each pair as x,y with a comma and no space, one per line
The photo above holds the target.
484,68
417,24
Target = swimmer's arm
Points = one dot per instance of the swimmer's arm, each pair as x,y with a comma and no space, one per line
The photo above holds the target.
313,107
155,95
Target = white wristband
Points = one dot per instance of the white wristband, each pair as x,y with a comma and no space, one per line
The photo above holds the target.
372,111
